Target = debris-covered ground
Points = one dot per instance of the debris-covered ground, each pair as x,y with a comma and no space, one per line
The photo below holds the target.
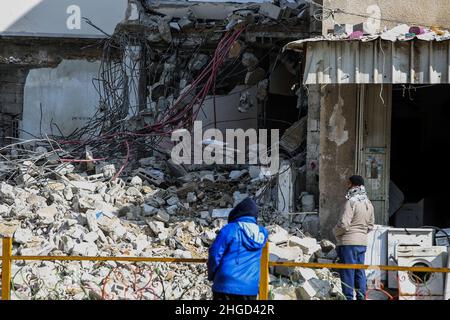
54,205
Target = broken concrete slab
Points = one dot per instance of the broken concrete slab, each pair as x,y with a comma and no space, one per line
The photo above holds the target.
303,274
47,214
148,210
285,254
84,185
270,10
162,216
237,174
327,245
284,293
308,245
136,181
22,236
85,249
277,235
8,228
305,291
183,254
221,213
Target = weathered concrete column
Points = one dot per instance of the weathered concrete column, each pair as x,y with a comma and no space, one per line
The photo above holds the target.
337,151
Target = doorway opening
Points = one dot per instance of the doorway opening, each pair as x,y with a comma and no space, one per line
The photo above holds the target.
420,141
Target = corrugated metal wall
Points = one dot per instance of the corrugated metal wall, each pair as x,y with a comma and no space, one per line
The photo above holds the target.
378,61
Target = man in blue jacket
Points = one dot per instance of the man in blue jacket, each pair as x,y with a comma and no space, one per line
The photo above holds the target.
235,256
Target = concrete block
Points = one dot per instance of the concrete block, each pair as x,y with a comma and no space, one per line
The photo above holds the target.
307,245
162,216
237,174
305,291
277,235
84,185
303,274
91,217
270,10
327,245
136,181
47,214
220,213
22,235
85,249
322,287
284,254
183,254
148,210
284,293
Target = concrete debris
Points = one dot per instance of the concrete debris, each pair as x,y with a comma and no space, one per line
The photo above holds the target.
294,136
270,10
308,245
245,102
198,62
156,209
254,77
277,235
249,60
220,213
284,293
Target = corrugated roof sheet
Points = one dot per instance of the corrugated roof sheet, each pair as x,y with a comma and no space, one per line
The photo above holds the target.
390,57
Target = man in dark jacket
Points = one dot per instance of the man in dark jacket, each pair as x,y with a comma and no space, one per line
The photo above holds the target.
234,257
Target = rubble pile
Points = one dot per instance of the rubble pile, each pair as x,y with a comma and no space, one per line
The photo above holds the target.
157,209
301,283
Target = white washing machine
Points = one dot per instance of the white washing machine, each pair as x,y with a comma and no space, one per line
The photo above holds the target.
376,255
421,285
397,237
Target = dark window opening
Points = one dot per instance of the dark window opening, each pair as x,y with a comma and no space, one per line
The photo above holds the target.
420,141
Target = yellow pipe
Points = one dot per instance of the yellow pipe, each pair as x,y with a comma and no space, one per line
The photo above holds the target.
6,268
118,259
357,266
265,263
264,279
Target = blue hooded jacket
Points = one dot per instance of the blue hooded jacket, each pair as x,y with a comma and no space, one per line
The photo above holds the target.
235,256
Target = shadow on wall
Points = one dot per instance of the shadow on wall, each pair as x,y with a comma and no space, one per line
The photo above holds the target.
60,17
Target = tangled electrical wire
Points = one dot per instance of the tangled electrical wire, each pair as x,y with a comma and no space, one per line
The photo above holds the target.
120,122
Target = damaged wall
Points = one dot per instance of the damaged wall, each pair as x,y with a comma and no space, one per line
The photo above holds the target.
66,94
227,113
337,151
12,82
60,17
393,13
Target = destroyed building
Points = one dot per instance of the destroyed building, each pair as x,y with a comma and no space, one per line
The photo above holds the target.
85,177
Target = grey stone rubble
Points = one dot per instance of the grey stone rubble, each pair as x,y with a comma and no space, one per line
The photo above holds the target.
159,214
301,283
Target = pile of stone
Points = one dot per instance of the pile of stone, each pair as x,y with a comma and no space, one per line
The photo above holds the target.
154,209
157,210
301,283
